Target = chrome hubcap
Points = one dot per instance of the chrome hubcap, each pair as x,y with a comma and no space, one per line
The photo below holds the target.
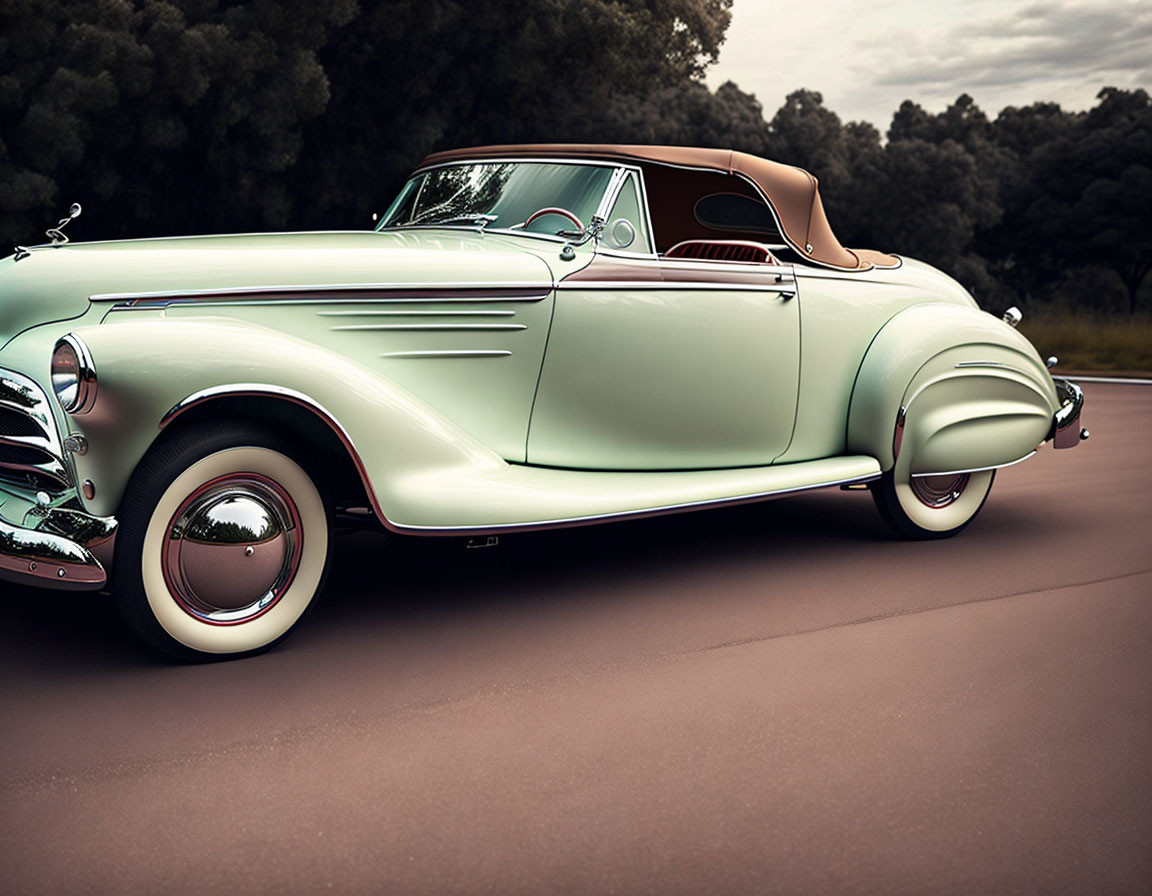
232,549
939,491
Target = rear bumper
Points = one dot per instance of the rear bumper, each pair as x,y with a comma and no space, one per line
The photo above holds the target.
59,551
1066,429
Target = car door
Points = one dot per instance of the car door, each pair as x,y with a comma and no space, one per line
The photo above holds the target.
661,364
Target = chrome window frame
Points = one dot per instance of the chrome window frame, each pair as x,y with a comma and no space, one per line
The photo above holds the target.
611,190
642,198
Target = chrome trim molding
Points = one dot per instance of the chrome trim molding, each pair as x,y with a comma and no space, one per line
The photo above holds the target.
975,469
544,286
439,328
634,514
477,313
783,287
451,353
608,198
539,160
995,364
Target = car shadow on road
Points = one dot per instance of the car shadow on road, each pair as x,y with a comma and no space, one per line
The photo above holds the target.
377,579
407,575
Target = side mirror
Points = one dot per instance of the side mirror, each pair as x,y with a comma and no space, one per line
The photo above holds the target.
621,234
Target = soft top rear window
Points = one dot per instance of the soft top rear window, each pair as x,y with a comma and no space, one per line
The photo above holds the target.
730,211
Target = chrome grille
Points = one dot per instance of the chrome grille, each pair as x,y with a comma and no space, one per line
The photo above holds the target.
15,424
30,451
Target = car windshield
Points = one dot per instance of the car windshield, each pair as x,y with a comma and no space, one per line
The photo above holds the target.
500,195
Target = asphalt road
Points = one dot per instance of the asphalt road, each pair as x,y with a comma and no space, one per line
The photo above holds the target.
777,697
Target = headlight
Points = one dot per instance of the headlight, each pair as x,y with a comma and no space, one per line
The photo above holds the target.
73,375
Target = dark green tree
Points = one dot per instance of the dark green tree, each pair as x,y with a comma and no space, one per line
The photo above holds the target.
162,115
939,189
412,77
686,114
1087,193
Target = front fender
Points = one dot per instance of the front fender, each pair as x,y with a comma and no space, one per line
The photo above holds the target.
146,368
956,387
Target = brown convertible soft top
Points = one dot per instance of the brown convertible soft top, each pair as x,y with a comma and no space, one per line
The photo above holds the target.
790,192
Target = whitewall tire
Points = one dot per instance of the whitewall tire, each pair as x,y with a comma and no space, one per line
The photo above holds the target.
224,543
929,507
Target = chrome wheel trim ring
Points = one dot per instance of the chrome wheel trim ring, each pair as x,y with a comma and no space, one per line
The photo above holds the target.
939,491
232,549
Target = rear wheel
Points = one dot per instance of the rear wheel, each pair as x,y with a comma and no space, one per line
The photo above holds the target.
923,507
223,543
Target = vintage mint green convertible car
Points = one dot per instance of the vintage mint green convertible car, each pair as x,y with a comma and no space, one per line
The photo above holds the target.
534,336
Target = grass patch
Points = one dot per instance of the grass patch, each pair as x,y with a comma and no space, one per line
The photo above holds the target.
1084,340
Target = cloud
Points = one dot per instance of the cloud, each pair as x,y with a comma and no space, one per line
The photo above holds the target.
1033,43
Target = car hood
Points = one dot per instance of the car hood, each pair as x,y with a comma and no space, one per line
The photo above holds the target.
55,283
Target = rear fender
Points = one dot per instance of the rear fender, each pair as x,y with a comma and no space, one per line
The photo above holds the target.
955,387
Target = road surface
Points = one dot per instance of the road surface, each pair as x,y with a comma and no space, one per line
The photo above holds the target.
764,698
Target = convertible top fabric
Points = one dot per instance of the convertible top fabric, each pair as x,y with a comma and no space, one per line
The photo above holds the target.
791,193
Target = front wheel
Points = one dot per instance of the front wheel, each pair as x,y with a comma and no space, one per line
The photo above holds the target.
923,507
223,543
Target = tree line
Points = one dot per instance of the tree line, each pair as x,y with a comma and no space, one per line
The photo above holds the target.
187,116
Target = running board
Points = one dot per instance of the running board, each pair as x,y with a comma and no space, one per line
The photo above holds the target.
518,497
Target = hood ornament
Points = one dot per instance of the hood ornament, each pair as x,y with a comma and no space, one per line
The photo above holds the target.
56,234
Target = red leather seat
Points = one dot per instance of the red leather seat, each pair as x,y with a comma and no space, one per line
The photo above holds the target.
723,250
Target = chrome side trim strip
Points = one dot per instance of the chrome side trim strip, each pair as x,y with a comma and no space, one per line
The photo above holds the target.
484,313
543,286
635,514
266,303
992,364
447,353
976,469
658,285
432,327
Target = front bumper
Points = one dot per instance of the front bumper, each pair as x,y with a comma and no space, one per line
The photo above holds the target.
1066,429
61,549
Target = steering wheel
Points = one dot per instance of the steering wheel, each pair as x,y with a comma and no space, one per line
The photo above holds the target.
539,213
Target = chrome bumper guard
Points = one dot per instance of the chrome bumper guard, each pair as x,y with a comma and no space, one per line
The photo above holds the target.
1066,430
59,552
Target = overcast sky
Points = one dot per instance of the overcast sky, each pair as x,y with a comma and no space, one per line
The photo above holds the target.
867,58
